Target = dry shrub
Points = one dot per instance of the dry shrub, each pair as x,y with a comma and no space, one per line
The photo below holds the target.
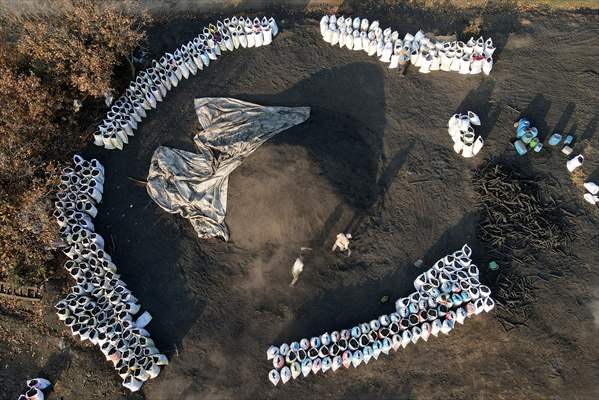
578,178
45,62
27,235
27,128
82,43
28,137
473,28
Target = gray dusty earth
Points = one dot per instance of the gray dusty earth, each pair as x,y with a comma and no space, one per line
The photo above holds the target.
374,159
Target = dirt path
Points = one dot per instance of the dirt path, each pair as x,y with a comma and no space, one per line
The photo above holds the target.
374,157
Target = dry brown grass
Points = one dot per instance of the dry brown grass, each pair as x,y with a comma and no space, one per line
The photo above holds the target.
578,178
27,126
560,4
473,28
516,4
45,62
26,235
523,4
81,45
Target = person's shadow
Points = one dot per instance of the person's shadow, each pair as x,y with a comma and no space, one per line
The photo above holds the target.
478,101
345,137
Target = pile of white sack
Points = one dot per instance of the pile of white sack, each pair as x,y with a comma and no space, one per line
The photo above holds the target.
447,293
472,57
465,141
151,85
100,307
592,194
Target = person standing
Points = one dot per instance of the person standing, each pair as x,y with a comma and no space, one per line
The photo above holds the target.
342,243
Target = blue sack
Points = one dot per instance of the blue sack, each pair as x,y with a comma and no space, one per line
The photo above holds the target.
534,132
523,124
538,147
555,139
527,137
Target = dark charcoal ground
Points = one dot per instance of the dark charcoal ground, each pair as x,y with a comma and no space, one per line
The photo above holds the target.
374,158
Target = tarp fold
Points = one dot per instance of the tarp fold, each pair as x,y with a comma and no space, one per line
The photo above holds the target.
195,184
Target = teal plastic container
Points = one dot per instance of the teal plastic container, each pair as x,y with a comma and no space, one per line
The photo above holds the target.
555,139
527,137
523,124
520,147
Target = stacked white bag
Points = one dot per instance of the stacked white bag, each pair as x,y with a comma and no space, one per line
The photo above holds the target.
426,54
447,293
361,35
100,308
465,141
470,58
35,388
152,85
592,194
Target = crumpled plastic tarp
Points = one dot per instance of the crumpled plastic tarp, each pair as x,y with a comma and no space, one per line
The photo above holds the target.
195,184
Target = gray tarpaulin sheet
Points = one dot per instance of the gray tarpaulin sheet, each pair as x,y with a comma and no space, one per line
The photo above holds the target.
195,184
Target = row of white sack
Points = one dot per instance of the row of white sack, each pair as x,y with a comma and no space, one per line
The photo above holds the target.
466,277
390,331
152,85
385,326
315,361
332,29
79,192
424,320
99,291
472,57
